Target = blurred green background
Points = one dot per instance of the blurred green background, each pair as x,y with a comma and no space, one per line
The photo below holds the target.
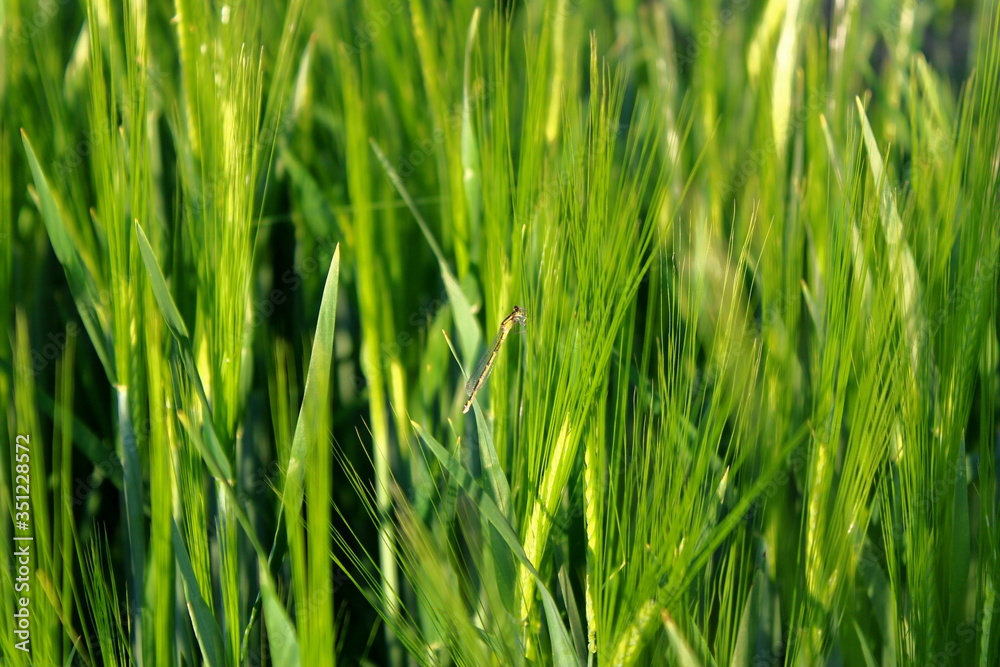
249,251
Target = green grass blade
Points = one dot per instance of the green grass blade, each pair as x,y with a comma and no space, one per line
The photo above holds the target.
160,290
206,629
492,467
215,457
81,282
468,330
958,559
562,646
317,390
683,652
134,515
471,169
282,639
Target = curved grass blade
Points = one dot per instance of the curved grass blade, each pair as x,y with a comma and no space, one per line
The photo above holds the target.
135,519
682,649
490,460
206,629
960,537
470,147
282,639
468,330
175,323
563,654
81,282
284,646
284,642
491,465
316,395
739,511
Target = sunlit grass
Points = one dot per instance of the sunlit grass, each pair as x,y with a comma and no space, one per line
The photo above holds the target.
246,249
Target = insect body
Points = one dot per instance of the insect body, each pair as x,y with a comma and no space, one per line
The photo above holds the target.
485,365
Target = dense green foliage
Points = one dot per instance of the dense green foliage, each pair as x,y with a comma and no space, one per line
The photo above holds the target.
247,250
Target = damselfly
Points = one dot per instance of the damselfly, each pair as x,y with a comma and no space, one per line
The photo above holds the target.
485,365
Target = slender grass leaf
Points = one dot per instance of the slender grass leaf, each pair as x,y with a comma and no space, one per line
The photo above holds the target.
205,627
719,532
134,513
219,463
317,390
960,539
465,322
573,613
490,460
750,622
879,593
470,147
989,612
81,282
315,210
682,650
491,464
468,330
562,646
281,636
224,485
161,292
901,260
866,650
404,193
84,439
